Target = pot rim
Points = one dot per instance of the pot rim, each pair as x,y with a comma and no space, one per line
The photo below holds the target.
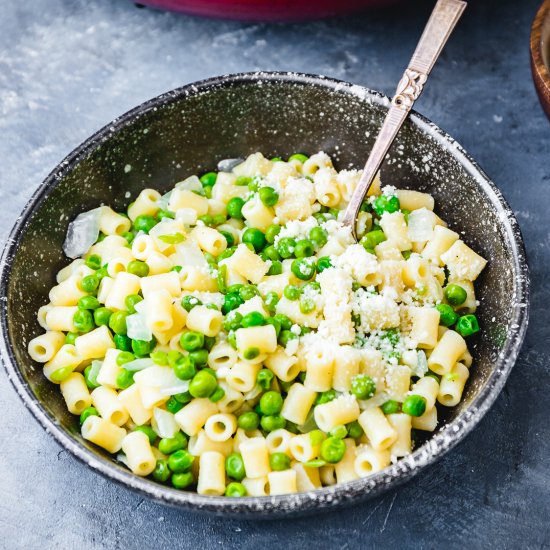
275,506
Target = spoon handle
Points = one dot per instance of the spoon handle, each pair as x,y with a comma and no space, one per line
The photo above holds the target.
443,20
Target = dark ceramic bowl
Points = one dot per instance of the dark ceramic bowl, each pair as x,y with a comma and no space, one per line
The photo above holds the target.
187,131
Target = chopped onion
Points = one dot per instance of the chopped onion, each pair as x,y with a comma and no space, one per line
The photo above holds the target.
82,233
188,253
187,216
182,387
191,184
421,225
137,326
96,367
138,364
226,165
164,200
252,394
375,401
421,365
309,424
121,457
164,423
157,377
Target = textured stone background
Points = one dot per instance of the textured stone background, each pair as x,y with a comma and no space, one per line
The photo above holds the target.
69,66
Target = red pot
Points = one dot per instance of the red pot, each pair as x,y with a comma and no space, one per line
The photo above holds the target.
267,10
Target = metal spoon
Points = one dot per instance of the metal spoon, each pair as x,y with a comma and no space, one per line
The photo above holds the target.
443,20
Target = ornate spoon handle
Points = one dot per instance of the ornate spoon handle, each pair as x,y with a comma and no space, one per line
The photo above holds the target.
440,26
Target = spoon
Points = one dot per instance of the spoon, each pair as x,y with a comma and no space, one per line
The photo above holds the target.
443,20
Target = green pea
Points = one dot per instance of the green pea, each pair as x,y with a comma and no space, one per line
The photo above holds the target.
276,159
323,263
354,430
467,325
372,239
268,196
406,254
218,395
173,405
270,252
284,321
93,261
234,466
228,237
83,320
332,450
88,302
235,489
169,445
235,208
271,403
231,302
208,179
185,368
264,379
90,378
253,319
161,473
247,292
189,301
191,341
61,374
232,339
339,432
182,480
117,322
124,379
279,461
325,397
414,405
251,353
276,268
70,337
272,423
363,386
203,384
184,397
199,357
131,301
285,247
136,267
89,283
207,219
122,342
384,203
390,407
124,357
243,180
180,461
129,236
162,214
285,336
271,300
248,421
299,157
255,237
447,315
142,348
144,223
318,236
148,431
307,305
102,316
304,249
271,232
159,357
303,268
101,273
88,411
455,295
232,321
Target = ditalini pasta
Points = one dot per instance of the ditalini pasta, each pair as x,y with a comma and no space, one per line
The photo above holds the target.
231,337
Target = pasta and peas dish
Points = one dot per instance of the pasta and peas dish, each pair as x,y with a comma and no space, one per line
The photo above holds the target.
231,336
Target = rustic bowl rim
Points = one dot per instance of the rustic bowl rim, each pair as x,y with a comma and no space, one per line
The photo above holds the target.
277,506
540,69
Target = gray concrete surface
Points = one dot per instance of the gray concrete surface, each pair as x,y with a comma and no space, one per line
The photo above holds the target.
68,66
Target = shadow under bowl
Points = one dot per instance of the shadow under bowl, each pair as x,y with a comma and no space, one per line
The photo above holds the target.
187,131
540,55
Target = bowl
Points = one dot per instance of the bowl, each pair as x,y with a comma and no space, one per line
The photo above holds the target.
261,10
188,130
540,54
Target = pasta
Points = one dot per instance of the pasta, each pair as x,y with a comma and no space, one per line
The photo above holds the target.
231,336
